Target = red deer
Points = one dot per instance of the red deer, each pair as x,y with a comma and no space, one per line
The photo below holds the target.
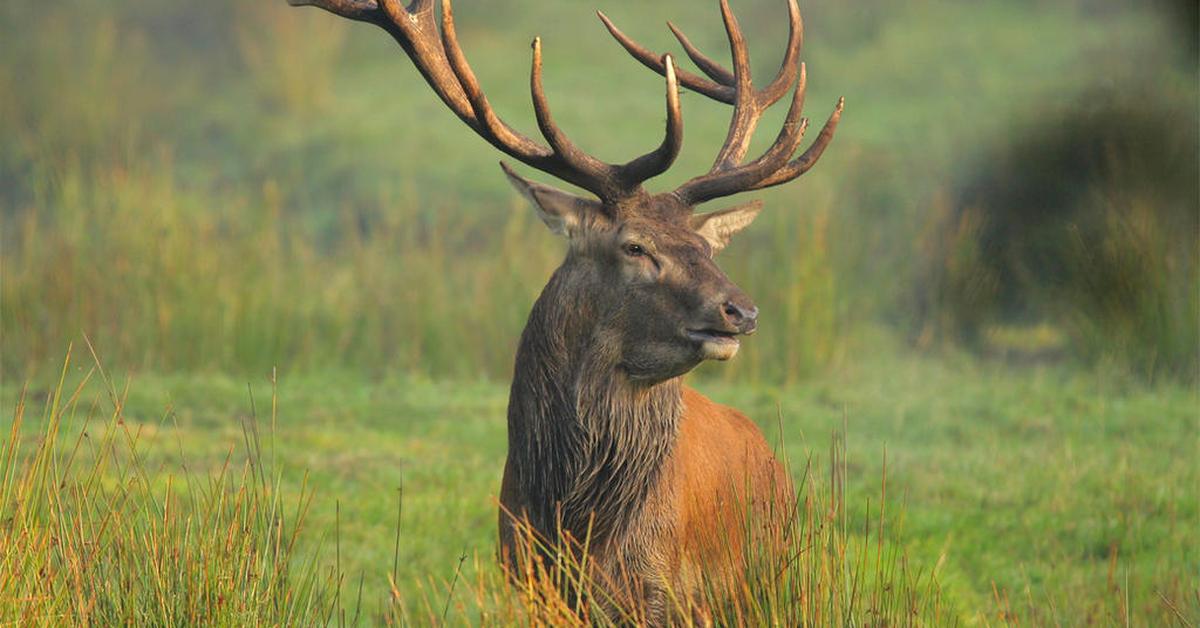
604,440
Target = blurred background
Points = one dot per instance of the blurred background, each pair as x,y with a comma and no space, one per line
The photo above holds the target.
992,271
232,186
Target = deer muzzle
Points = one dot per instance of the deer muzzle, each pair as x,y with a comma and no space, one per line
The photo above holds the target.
719,340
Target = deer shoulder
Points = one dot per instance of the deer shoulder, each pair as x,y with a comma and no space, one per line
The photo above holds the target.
730,485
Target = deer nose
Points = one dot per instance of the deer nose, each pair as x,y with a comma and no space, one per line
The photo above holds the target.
744,317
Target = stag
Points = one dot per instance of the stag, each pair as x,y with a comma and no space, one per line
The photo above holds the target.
604,439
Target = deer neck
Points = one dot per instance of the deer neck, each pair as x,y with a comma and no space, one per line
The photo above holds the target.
586,444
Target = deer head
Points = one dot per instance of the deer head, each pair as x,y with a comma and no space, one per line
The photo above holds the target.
660,303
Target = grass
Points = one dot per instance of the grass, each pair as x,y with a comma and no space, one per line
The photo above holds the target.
91,535
260,148
211,190
1036,496
111,518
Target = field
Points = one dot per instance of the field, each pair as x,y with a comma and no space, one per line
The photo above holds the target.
1040,496
254,224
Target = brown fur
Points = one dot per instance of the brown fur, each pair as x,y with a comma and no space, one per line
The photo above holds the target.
721,461
656,477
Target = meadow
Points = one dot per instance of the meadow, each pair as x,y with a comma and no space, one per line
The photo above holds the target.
273,252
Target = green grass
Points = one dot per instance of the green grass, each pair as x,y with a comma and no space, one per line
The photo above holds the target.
91,535
301,198
1038,496
210,190
110,517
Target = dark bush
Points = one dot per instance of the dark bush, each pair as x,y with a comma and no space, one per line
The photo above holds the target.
1088,223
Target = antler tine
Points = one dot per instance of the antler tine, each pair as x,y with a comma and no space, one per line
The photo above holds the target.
736,88
439,58
654,61
751,104
791,57
736,179
746,109
491,127
809,158
577,159
358,10
787,69
731,87
714,70
658,161
416,32
737,48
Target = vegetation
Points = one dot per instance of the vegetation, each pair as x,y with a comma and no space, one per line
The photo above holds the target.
990,282
118,521
1100,241
91,536
256,149
1037,496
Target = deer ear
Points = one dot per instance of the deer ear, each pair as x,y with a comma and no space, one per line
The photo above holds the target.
719,227
564,213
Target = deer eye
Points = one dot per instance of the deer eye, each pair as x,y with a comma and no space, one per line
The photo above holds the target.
634,250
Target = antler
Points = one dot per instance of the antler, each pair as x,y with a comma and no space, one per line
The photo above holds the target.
442,63
728,175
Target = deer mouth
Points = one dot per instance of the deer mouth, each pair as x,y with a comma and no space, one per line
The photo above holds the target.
713,335
715,344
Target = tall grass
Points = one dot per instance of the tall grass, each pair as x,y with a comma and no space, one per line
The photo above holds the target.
241,288
228,282
291,55
276,191
1138,303
92,536
111,233
814,567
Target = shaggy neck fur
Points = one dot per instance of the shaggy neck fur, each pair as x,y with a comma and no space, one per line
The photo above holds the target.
584,441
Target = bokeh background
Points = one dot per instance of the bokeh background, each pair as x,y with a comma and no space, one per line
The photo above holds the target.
992,274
